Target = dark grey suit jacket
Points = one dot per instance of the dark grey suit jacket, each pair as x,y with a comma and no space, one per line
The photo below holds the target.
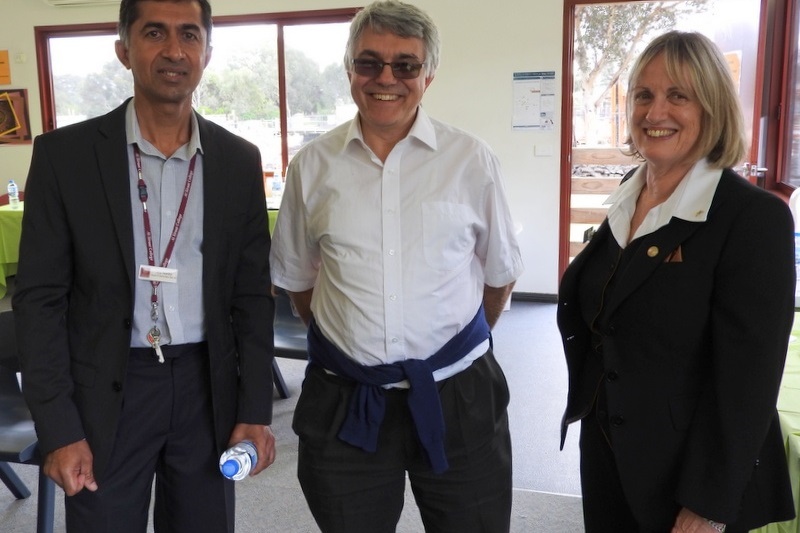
693,357
73,301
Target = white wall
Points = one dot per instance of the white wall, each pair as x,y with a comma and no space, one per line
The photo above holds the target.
483,44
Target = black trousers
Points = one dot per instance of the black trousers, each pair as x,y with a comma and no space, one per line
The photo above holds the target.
165,431
349,490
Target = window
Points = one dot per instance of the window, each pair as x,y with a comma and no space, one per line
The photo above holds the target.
780,150
84,89
603,38
276,80
791,164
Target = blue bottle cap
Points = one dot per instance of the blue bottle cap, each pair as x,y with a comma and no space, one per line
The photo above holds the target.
229,468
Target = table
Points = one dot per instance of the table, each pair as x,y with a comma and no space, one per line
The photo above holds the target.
10,229
272,214
789,413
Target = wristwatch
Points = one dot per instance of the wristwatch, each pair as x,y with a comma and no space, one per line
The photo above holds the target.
716,525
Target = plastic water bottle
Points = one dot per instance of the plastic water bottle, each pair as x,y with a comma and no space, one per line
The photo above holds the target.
13,195
236,462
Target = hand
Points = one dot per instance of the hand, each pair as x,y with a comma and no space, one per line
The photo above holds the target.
71,468
689,522
263,439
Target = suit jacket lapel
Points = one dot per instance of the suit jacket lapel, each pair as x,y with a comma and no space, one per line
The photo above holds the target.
111,149
214,199
649,255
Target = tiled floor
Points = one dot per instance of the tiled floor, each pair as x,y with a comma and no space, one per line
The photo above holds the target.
528,347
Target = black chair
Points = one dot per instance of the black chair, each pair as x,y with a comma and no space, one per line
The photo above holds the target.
17,435
290,337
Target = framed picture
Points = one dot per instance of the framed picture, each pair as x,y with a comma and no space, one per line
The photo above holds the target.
15,125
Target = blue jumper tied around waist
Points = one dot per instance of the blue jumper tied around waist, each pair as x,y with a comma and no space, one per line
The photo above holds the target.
368,403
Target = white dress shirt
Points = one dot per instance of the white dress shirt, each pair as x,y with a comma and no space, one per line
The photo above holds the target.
397,252
690,201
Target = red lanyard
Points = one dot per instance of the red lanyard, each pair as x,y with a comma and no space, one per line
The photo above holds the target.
148,233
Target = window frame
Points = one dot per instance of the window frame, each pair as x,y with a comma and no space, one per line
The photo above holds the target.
779,40
779,29
43,34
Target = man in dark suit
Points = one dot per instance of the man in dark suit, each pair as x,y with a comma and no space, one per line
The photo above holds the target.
142,304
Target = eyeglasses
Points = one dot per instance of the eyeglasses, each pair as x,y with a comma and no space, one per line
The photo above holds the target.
402,70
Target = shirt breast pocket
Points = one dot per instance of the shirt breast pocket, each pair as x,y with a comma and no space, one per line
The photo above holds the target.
448,234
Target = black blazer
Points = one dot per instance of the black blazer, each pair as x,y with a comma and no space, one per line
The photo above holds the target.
693,358
73,301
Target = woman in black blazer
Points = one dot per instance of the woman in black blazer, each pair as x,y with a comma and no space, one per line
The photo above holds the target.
676,317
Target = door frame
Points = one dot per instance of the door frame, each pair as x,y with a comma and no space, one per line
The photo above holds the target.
771,35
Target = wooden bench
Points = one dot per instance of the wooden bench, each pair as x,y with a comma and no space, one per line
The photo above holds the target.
609,164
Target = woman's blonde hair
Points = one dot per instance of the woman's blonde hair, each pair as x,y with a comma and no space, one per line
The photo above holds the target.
696,63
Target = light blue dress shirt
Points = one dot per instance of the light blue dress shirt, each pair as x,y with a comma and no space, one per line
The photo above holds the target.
181,313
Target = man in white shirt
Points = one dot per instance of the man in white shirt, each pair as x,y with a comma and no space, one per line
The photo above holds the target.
396,245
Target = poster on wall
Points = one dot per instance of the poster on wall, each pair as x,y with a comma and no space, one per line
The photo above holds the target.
5,68
15,124
534,100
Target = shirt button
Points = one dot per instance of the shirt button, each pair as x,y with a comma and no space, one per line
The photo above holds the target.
393,297
391,252
395,340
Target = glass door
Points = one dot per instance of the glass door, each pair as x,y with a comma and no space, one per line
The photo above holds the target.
603,39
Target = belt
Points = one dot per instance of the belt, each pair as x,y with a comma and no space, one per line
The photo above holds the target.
173,351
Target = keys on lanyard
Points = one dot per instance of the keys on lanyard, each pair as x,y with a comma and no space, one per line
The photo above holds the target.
153,337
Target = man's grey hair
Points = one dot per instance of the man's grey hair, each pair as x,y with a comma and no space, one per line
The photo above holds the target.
398,18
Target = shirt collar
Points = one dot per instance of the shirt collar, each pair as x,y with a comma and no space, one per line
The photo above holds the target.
422,129
690,201
133,135
701,185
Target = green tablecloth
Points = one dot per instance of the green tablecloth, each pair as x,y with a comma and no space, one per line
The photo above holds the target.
273,216
789,412
10,227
